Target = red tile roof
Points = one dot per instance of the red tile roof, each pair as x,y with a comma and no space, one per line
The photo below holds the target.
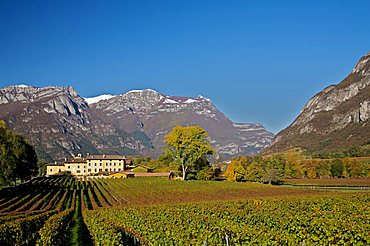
152,174
105,157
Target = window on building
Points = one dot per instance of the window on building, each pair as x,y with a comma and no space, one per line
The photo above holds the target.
119,169
114,169
95,164
51,169
95,169
106,169
100,170
100,164
78,166
89,163
69,167
89,170
60,170
78,171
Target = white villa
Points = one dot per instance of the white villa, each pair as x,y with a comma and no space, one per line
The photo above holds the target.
89,165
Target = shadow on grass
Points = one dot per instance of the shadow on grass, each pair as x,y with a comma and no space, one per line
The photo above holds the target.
80,233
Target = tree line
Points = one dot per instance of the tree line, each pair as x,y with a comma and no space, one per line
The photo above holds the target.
18,159
187,151
272,169
354,151
188,148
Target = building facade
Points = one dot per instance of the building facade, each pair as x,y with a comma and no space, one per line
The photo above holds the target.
89,165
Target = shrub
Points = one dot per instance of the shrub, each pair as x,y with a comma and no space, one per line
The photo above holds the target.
23,231
56,229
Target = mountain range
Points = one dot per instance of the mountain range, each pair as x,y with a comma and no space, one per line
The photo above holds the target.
336,118
60,123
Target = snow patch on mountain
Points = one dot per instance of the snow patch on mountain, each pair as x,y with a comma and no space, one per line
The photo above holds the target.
92,100
140,91
170,101
22,86
190,100
200,97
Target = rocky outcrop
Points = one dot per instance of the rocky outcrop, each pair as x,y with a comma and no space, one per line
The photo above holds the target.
335,118
154,114
60,123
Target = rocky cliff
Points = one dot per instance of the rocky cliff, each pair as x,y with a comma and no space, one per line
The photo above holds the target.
148,113
335,118
60,123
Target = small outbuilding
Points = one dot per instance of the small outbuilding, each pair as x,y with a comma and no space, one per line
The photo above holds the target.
143,169
152,174
121,175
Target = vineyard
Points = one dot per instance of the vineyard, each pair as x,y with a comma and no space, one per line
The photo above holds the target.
156,211
365,182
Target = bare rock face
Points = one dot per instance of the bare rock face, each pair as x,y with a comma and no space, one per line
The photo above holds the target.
335,118
60,123
364,113
153,114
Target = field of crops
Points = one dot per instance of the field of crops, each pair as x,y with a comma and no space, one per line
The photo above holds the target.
334,220
347,182
156,211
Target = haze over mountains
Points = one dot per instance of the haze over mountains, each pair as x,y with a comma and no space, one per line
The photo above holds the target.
335,118
60,123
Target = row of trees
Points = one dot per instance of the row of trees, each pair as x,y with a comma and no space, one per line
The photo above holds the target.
354,151
187,149
257,169
274,168
18,158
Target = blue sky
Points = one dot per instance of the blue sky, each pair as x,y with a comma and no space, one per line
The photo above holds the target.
259,61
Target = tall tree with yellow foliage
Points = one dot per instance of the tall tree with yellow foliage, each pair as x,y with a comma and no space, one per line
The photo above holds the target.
187,145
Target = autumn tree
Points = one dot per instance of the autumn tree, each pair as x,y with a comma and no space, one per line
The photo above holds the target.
271,170
209,173
254,172
188,146
141,160
336,168
235,171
